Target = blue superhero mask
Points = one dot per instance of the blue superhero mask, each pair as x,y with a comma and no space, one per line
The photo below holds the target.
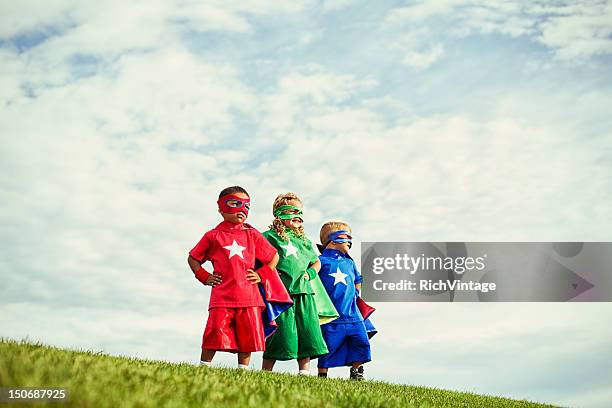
335,237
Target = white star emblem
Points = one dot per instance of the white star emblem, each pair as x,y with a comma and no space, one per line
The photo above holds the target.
290,249
235,249
339,277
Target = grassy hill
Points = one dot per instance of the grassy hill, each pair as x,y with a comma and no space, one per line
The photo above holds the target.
95,379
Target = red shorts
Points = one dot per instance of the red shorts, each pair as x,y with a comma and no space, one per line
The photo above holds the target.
234,329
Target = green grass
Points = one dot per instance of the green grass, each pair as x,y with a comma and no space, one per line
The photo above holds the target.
96,379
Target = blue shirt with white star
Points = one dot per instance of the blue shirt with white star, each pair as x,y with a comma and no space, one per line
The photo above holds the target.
339,275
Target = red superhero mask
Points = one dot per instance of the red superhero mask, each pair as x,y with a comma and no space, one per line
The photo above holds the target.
232,204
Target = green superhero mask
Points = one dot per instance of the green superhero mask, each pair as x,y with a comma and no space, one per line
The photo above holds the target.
279,212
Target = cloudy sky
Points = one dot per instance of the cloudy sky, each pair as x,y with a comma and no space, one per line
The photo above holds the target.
449,120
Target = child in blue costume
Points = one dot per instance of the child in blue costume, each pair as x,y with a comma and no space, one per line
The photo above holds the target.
346,337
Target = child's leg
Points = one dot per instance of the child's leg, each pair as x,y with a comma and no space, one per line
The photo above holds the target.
207,355
249,333
268,364
283,344
358,345
244,359
356,372
334,335
311,343
219,333
304,364
359,349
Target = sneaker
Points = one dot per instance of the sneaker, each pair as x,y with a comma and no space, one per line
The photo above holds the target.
322,375
357,373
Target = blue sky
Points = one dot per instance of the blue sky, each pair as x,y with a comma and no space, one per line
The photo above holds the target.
414,121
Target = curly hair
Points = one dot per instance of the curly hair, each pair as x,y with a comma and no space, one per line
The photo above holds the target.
277,224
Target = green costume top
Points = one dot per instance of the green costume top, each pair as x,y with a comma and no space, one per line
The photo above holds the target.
296,255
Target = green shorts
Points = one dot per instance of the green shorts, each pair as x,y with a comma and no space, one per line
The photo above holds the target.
299,334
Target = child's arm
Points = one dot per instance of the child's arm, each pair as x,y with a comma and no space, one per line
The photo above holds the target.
255,277
314,266
202,274
313,270
272,264
358,279
197,256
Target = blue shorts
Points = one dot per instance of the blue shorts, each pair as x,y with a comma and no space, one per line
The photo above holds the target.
347,343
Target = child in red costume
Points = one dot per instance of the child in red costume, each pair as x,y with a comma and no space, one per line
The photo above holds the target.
234,312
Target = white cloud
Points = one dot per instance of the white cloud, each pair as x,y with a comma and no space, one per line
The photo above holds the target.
209,17
584,34
423,60
460,169
422,10
92,20
29,14
574,31
309,38
334,5
417,48
321,86
305,89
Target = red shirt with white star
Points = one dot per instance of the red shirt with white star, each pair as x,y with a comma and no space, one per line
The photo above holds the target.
232,249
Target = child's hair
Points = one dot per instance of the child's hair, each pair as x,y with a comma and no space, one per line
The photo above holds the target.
330,227
232,190
277,224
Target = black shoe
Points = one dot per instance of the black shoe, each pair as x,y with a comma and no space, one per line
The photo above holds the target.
323,375
357,373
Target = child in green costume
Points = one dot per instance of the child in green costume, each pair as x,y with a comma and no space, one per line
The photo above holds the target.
299,333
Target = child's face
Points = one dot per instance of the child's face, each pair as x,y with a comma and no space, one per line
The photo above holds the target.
237,218
343,247
293,223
